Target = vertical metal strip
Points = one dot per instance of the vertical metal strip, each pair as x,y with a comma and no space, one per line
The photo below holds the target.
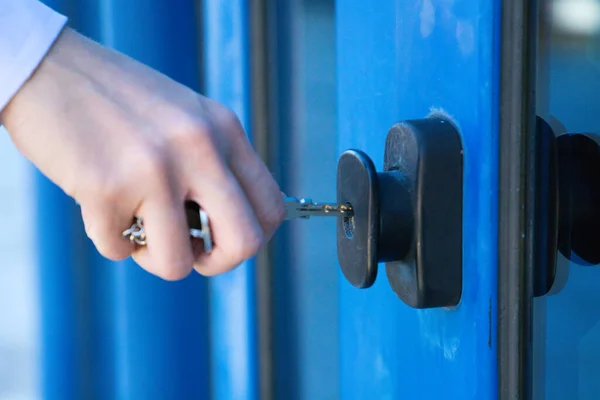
262,133
516,197
284,99
232,295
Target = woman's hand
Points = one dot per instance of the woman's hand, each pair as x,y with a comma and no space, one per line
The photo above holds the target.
124,141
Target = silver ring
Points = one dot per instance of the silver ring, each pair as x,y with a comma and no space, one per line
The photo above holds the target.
136,233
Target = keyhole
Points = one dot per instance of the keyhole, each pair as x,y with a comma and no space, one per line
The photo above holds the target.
349,224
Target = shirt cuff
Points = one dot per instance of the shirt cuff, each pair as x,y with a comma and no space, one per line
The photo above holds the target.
28,30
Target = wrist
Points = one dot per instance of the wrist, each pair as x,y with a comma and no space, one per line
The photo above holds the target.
15,108
27,32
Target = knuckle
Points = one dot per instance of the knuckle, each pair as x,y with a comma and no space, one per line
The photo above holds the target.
229,121
102,187
189,129
231,127
110,185
195,136
150,164
111,190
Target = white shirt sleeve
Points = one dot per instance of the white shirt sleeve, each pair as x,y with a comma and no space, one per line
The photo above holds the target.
28,29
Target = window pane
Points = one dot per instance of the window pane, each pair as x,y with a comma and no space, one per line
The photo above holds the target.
567,322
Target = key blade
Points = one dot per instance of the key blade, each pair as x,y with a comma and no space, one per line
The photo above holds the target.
306,208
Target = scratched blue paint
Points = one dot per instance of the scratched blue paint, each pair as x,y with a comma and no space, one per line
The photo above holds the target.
399,60
127,334
232,295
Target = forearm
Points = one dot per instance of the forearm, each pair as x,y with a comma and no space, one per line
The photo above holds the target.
28,29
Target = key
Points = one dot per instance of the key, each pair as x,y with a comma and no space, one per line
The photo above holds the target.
306,208
199,224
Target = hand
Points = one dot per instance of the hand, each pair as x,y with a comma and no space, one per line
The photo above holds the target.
124,140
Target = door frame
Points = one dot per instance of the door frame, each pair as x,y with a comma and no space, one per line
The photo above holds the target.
517,194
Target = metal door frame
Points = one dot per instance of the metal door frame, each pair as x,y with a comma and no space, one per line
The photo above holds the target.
518,171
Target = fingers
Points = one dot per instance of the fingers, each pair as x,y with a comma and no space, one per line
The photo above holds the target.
168,250
235,230
243,201
103,225
262,191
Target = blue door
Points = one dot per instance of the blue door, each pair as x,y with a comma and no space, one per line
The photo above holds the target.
403,60
520,79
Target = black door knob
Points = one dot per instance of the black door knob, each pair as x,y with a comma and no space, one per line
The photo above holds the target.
409,216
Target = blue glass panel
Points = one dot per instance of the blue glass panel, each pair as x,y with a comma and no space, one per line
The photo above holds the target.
567,322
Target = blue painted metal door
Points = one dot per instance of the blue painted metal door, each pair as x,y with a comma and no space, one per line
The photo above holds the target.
399,60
